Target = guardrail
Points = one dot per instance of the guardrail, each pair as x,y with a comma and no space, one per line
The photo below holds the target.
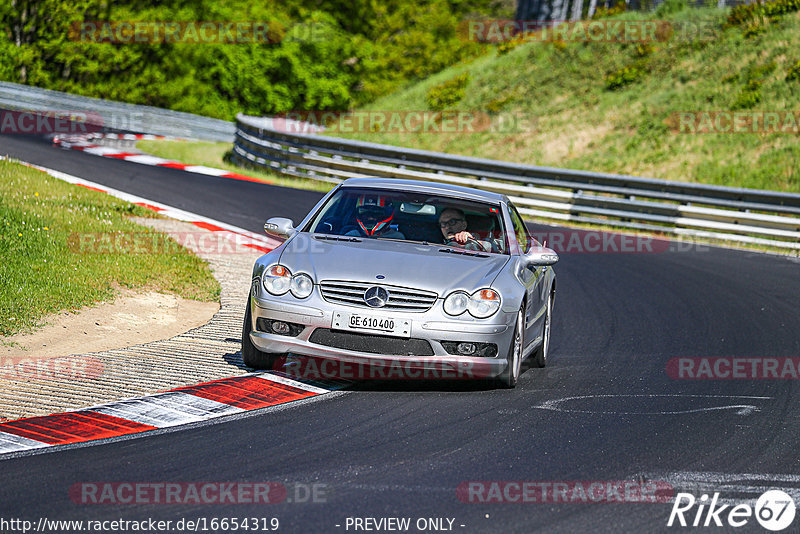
561,195
116,116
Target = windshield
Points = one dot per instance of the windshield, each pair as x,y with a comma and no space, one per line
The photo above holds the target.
414,217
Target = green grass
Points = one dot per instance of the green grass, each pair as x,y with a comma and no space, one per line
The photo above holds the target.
612,107
214,155
44,270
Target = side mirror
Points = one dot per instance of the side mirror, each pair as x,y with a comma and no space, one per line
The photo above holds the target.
541,256
280,227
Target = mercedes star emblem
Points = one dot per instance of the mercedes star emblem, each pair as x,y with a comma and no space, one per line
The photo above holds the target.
376,297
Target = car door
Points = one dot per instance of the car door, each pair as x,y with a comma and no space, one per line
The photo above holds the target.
533,278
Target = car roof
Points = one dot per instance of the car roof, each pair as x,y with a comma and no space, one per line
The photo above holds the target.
418,186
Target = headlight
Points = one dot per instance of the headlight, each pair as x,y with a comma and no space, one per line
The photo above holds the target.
301,285
277,280
483,303
456,303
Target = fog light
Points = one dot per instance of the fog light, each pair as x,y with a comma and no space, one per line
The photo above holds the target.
470,348
466,348
279,327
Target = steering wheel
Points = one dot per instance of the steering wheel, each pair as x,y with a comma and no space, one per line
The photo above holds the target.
471,244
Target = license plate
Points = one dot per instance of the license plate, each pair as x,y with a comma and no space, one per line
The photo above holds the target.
373,324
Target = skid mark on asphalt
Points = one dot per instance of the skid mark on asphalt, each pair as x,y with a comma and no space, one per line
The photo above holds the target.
649,400
734,488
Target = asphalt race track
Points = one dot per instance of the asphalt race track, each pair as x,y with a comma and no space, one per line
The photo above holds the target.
605,408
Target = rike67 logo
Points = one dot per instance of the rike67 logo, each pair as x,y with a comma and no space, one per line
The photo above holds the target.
774,510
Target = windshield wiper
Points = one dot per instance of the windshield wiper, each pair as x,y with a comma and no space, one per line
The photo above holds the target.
464,252
407,241
328,237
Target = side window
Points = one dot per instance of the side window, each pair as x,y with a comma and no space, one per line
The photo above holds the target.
523,236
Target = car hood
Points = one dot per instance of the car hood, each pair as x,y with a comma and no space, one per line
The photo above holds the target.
401,264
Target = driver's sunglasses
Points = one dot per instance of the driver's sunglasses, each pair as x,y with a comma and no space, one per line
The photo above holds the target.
450,222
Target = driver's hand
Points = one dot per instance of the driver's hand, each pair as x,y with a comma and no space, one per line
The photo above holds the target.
462,237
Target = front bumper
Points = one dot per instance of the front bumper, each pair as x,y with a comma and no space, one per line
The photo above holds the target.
432,326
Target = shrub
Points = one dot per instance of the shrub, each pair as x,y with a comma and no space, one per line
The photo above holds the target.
507,46
603,12
447,94
496,105
793,74
643,50
671,6
747,99
623,77
746,14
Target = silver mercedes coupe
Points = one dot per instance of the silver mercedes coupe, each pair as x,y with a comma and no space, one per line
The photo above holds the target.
405,278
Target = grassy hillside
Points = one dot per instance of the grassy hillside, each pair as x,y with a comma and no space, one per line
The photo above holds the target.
612,107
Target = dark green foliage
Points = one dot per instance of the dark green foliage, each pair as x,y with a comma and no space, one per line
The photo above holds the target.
330,55
447,94
669,7
603,12
753,78
624,76
747,14
748,98
793,74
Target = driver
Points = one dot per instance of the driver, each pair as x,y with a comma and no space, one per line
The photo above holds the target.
453,223
374,214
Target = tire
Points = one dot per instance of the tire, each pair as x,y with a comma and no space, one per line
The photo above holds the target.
508,378
251,356
539,358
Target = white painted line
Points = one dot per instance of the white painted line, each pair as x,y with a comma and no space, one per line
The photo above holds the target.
102,150
290,382
145,159
202,169
81,145
13,443
166,209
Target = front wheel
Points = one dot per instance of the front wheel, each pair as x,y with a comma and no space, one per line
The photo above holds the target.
508,378
251,356
542,352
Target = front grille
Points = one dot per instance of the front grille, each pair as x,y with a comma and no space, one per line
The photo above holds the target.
389,346
400,298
